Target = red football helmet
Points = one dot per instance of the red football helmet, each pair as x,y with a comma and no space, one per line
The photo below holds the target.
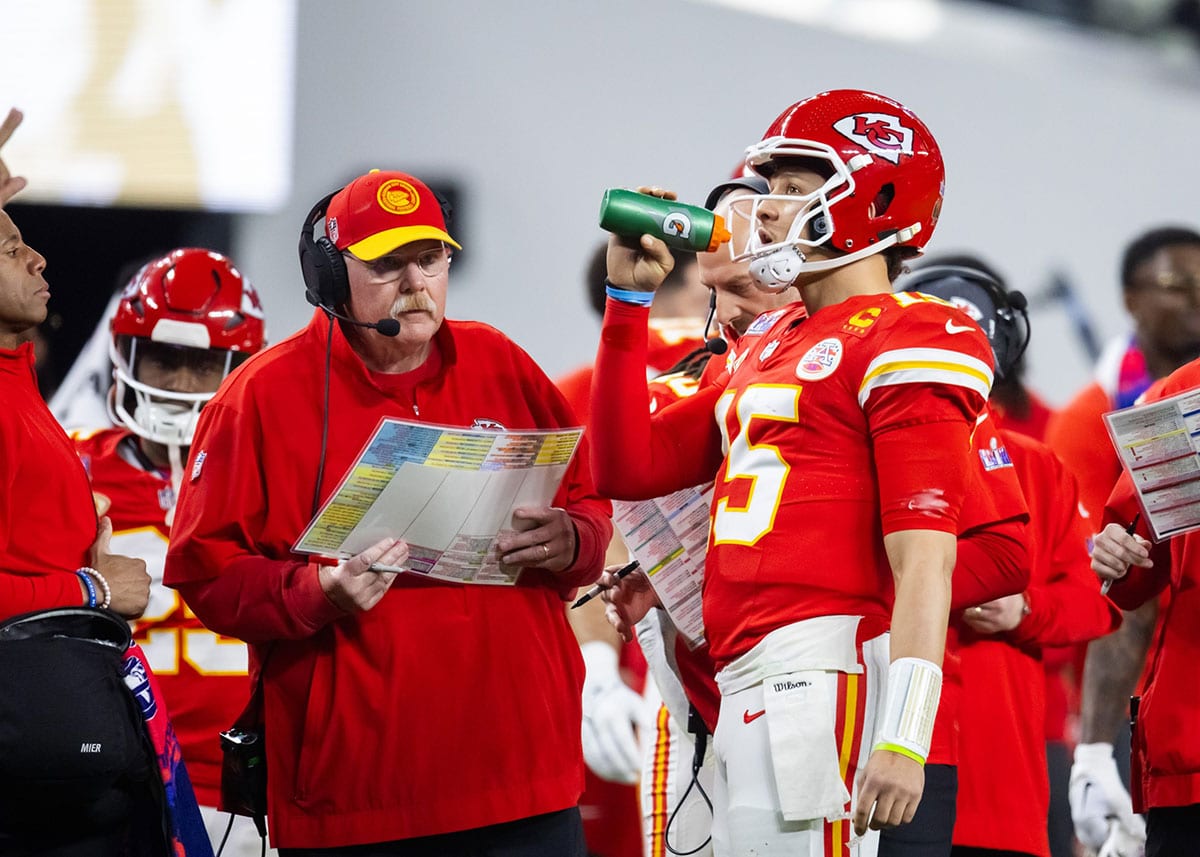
190,308
885,185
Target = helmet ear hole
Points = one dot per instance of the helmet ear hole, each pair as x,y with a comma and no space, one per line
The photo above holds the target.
124,346
883,200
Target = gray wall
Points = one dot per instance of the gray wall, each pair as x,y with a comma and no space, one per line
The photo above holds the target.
1059,147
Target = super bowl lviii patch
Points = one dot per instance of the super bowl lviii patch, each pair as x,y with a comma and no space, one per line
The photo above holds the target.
198,464
763,323
995,457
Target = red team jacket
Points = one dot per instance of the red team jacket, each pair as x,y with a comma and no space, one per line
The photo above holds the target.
49,519
446,706
202,675
992,561
1165,747
1003,794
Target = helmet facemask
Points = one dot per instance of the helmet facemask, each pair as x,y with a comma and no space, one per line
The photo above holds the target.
159,415
776,265
183,322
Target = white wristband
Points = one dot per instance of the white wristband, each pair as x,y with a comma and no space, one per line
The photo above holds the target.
99,578
914,687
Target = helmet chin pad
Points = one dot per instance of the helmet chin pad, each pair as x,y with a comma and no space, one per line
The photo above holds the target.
167,422
774,272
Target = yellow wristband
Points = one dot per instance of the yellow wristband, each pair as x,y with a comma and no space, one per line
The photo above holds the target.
896,748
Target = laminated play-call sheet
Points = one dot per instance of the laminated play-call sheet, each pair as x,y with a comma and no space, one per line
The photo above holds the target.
446,491
1159,445
668,537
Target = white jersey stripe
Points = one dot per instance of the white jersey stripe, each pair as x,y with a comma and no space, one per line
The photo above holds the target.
925,366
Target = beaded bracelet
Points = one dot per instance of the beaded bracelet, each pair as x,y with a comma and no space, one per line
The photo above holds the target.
86,580
628,296
87,571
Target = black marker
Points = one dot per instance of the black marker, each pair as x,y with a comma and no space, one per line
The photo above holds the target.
622,572
1107,585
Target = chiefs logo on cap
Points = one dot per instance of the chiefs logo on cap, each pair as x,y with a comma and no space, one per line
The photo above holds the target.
398,197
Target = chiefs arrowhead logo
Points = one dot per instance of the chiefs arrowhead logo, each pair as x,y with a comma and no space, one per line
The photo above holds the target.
251,304
879,133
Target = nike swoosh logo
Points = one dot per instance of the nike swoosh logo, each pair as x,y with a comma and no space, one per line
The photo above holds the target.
750,718
952,328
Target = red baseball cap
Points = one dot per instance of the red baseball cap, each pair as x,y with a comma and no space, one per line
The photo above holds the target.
383,210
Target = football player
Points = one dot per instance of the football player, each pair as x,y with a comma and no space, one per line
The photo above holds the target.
183,323
841,447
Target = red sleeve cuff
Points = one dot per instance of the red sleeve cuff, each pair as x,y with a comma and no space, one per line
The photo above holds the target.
593,534
1137,587
307,600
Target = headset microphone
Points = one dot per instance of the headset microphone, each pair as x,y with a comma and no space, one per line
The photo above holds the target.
384,327
715,344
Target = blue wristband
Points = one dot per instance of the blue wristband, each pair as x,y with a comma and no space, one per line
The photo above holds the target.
628,296
91,587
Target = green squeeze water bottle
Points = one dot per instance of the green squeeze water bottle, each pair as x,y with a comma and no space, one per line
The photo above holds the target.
684,227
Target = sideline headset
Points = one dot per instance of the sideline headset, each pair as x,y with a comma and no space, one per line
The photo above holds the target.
1002,314
326,283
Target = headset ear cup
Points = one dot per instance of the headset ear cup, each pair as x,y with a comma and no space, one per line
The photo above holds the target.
308,268
326,282
334,287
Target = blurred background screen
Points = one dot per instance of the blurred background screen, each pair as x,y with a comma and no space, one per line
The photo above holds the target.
186,103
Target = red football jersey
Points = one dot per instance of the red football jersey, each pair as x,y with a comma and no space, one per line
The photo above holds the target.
203,675
860,415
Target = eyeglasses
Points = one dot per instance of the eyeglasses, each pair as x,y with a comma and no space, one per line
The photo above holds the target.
432,263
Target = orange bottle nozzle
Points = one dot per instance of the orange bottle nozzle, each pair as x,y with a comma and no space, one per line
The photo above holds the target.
720,234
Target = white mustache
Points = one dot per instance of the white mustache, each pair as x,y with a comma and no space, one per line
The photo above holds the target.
417,302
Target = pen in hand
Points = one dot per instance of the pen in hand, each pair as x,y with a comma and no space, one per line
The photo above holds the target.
622,572
1107,585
